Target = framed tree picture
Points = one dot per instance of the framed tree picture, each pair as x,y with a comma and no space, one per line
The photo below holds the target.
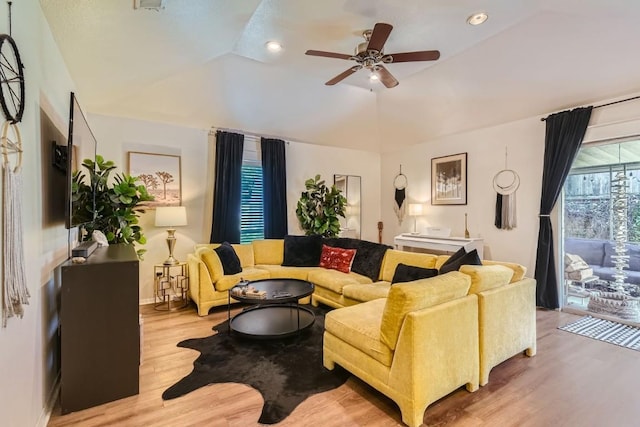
161,174
449,180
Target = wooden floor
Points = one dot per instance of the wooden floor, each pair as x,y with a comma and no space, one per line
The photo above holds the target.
573,381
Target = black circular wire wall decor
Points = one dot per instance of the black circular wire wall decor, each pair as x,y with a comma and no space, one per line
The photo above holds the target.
11,80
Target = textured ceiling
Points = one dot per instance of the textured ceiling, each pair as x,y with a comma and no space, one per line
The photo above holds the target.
203,63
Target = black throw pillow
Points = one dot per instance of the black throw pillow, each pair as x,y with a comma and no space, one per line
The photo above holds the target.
408,273
302,251
454,264
229,259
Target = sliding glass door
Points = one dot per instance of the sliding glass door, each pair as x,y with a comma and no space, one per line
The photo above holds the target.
601,231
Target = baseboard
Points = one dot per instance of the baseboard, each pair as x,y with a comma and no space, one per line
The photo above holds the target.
43,420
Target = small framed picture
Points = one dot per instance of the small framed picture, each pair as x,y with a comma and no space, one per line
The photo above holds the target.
449,180
160,173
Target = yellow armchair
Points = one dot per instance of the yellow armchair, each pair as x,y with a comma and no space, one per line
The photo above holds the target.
416,346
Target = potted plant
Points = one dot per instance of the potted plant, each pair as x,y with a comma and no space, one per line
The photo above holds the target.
110,207
319,208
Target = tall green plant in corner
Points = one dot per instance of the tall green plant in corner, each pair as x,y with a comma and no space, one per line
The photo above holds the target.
319,208
108,207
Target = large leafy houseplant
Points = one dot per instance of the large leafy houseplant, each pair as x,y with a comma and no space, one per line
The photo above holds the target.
108,206
319,208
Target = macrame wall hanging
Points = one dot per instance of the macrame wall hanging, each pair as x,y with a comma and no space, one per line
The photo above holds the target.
13,288
14,284
400,195
506,183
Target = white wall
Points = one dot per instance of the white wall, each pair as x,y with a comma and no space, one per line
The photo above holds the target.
29,346
485,150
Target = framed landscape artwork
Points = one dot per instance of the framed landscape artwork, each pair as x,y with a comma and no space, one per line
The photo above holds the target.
161,174
449,180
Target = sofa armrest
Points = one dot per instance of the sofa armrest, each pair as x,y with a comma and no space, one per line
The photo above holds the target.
507,323
437,351
201,288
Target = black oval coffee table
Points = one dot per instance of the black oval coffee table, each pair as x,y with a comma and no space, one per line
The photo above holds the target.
278,314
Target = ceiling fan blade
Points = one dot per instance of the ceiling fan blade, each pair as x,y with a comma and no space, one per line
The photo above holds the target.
379,36
342,76
328,54
386,77
423,55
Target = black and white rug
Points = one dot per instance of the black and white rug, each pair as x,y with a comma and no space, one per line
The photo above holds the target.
606,330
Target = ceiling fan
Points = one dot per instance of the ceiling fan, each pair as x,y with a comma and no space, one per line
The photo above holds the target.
370,55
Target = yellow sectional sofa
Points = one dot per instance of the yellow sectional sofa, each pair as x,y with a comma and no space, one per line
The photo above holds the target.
415,341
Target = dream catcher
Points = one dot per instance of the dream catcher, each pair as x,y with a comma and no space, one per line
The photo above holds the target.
400,195
12,101
506,183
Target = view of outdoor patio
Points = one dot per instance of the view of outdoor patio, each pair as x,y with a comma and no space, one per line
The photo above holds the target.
601,227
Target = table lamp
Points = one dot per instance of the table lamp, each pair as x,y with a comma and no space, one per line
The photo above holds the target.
415,210
171,216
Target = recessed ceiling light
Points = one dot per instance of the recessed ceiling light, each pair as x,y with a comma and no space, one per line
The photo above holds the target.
273,46
477,18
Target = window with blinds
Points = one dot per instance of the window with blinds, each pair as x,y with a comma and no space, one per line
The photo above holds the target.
251,210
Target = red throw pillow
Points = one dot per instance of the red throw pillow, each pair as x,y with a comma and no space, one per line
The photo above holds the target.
337,258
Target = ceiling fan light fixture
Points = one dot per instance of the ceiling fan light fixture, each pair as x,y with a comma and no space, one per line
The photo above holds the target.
373,77
477,18
273,46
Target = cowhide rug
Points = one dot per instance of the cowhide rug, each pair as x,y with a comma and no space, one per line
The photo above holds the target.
285,371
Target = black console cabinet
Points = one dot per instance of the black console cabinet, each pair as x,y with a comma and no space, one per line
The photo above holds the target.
99,328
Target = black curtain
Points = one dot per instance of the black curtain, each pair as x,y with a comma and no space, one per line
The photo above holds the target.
274,184
564,135
228,187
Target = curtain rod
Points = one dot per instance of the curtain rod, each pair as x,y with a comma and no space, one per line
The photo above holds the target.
606,105
244,132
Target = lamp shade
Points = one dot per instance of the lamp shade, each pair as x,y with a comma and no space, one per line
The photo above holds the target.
415,209
171,216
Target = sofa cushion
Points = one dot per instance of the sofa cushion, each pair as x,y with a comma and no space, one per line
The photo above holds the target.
359,326
417,295
369,255
245,254
456,261
284,272
518,270
335,280
212,261
337,258
366,292
485,277
408,273
268,251
302,251
250,273
228,258
393,257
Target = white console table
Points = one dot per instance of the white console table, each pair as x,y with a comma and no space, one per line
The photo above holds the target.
445,244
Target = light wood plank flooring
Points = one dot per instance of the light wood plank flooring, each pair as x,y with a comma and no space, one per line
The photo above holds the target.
573,381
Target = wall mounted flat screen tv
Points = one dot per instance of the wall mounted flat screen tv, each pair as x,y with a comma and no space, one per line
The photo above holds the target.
81,144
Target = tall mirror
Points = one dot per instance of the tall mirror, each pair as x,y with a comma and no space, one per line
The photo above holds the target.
350,187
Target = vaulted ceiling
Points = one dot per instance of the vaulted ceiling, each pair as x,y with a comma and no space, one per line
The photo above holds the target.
203,63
